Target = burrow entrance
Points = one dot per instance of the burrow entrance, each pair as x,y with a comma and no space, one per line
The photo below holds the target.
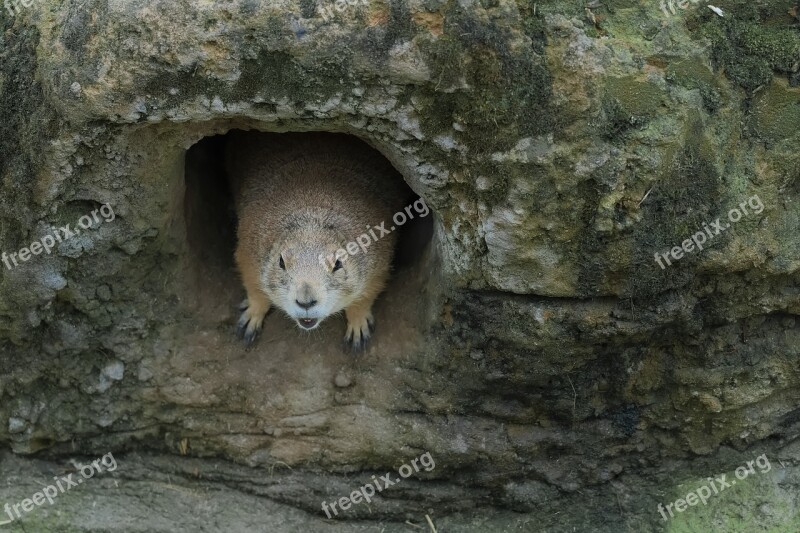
214,288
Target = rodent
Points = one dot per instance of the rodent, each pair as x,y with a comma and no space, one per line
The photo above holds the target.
300,198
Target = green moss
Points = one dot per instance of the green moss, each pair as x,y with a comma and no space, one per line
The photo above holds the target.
712,100
308,8
748,72
693,74
779,47
694,171
56,523
273,73
510,90
775,113
279,75
533,25
629,103
772,509
772,12
753,41
442,55
621,4
401,28
686,196
378,40
552,7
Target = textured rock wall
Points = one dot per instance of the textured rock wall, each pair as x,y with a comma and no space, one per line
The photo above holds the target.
535,349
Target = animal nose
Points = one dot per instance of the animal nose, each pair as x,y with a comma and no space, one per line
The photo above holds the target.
306,305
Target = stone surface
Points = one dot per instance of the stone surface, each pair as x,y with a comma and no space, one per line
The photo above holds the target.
536,349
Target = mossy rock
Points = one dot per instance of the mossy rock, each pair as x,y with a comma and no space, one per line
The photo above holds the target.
630,103
693,74
752,41
776,113
768,509
779,47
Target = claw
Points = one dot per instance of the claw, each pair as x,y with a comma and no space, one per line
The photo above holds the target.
251,336
249,326
243,332
356,348
241,327
358,335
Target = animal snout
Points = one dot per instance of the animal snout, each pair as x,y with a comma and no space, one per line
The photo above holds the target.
306,305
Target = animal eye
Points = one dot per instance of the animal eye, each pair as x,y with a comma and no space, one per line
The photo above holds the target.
282,264
338,265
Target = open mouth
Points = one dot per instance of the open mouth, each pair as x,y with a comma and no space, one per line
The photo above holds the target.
307,323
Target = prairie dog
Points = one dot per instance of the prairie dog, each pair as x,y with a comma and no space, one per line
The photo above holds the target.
300,199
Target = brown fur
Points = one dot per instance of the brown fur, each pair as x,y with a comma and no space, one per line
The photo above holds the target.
299,196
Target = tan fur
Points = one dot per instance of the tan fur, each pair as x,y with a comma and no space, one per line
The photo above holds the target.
300,197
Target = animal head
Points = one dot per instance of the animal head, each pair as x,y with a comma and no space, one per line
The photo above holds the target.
304,276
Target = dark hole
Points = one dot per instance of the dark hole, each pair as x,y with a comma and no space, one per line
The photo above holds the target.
213,284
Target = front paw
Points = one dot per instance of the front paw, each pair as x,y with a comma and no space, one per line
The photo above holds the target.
359,330
250,322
